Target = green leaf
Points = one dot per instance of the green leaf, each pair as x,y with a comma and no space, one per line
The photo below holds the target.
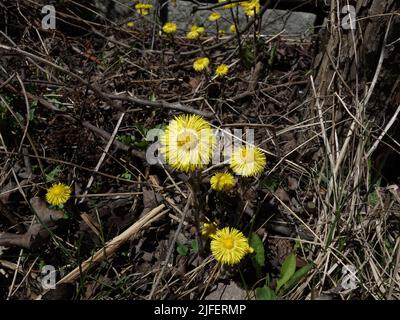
141,144
287,270
53,174
298,275
271,183
258,246
126,175
182,249
153,97
195,246
126,139
248,57
272,56
265,293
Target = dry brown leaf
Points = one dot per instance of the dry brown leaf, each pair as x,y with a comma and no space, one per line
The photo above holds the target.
38,231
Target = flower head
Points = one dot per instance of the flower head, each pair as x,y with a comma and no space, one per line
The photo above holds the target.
221,70
250,7
192,35
208,229
130,24
198,29
248,161
232,28
58,194
169,27
143,8
187,143
229,246
214,16
201,63
222,181
195,32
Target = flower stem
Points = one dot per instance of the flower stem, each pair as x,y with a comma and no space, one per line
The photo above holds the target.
194,182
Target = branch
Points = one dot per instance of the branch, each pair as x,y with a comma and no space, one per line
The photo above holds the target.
101,92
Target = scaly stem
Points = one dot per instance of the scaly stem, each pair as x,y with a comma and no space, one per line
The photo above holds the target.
194,182
237,35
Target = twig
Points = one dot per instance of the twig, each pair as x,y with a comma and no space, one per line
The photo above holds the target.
112,246
103,156
384,132
171,249
101,92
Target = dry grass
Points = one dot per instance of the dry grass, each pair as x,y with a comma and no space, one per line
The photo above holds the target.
353,220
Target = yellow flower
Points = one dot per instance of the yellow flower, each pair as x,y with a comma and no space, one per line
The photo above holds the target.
222,181
221,70
221,32
58,194
228,6
229,246
187,143
169,27
214,16
248,161
130,24
208,229
232,28
192,35
143,8
198,29
195,32
250,7
201,63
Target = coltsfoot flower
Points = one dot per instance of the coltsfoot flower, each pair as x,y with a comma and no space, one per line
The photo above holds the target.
232,28
250,7
248,161
214,16
169,27
201,64
229,246
187,143
222,181
195,32
208,229
143,8
221,70
58,194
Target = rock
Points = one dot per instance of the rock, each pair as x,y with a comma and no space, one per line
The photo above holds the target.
228,292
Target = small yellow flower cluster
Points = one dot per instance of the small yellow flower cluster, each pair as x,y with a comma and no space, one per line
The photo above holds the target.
201,64
228,245
58,194
130,24
208,229
143,8
222,181
251,7
169,27
246,161
195,32
221,70
214,16
232,28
